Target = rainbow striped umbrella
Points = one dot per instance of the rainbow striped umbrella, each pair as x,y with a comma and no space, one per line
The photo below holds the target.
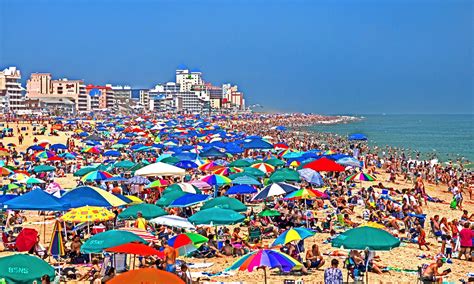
218,180
157,183
96,176
5,172
306,193
187,242
360,177
227,171
293,234
264,167
44,155
266,258
93,150
209,166
56,247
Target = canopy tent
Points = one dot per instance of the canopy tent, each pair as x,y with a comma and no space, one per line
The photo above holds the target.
91,196
37,200
160,169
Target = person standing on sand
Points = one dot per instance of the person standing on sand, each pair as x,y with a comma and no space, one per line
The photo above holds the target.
170,258
422,238
333,275
140,223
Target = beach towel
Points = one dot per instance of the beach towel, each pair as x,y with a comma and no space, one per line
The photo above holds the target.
200,265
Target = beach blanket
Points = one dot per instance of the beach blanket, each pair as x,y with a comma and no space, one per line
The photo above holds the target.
200,265
203,274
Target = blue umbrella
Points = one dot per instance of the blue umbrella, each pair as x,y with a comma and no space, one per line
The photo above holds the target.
278,188
186,165
349,161
58,146
357,137
241,189
37,200
112,153
293,234
188,200
311,176
257,144
124,141
68,156
115,178
138,180
281,128
36,148
212,152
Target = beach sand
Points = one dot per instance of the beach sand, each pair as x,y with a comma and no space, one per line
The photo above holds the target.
405,257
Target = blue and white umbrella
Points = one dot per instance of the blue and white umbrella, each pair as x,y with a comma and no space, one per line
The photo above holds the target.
311,176
275,189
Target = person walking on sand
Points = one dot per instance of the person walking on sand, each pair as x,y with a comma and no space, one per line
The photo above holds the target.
422,238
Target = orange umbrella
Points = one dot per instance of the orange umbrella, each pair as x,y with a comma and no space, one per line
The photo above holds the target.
147,276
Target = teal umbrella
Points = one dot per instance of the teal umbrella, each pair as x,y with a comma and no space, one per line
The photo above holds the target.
108,239
216,216
43,169
240,163
284,175
84,170
24,268
169,197
253,171
124,164
275,162
363,238
226,203
148,211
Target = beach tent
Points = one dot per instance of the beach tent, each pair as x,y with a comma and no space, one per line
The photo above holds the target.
37,200
357,137
160,169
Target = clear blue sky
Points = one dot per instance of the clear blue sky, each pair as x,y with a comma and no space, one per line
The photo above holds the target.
313,56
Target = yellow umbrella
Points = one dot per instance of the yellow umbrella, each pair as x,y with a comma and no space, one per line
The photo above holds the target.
88,214
135,200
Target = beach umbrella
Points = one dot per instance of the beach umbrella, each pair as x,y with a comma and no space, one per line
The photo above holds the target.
213,152
160,169
142,233
324,165
172,221
88,214
183,186
186,165
360,177
137,249
44,154
254,172
311,176
227,170
92,196
265,258
67,156
124,164
362,238
4,152
187,242
115,178
170,160
293,234
5,171
305,193
269,213
240,163
112,153
275,162
19,176
169,197
357,137
91,150
217,180
209,166
101,241
96,176
241,189
349,162
43,169
138,180
264,167
11,186
36,200
257,144
285,174
226,203
56,246
148,211
157,183
85,170
274,189
58,146
216,216
24,268
26,239
32,180
188,199
146,275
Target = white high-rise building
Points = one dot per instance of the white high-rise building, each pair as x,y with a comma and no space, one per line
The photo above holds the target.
187,79
11,97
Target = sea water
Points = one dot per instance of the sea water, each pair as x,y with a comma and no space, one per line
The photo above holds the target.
449,137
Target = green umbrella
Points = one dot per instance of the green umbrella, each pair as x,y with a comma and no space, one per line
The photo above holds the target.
216,216
108,239
284,174
363,238
84,170
269,213
118,146
33,180
186,187
170,160
12,186
24,268
253,171
169,197
240,163
43,169
124,164
148,211
275,162
226,203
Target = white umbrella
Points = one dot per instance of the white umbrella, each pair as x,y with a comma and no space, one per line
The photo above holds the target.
160,169
172,221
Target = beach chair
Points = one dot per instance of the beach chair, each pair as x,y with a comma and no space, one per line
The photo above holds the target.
340,221
255,234
6,244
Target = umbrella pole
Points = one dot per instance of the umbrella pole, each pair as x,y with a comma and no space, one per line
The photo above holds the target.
305,213
134,258
44,228
265,274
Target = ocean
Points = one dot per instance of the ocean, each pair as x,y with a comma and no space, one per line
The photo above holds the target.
449,137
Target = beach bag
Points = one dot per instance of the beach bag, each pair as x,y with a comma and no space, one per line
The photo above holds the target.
453,204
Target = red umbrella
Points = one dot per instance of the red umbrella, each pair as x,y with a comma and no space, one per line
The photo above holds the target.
136,248
26,239
324,165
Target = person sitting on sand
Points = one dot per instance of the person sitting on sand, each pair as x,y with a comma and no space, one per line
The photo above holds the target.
314,258
93,272
431,273
227,248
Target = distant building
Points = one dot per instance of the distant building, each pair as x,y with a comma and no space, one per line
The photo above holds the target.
11,92
123,98
187,79
100,98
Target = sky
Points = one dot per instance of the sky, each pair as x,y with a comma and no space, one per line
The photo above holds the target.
344,57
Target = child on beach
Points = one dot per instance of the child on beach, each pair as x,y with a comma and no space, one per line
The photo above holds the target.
422,238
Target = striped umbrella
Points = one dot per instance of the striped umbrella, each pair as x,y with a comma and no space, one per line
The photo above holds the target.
96,176
218,180
93,150
227,171
264,167
187,242
293,234
209,166
144,234
44,155
56,246
361,176
157,183
266,258
306,193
